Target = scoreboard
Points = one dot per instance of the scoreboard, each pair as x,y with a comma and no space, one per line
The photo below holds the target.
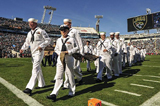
144,22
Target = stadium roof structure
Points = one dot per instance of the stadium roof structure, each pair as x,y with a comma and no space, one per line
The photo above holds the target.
86,30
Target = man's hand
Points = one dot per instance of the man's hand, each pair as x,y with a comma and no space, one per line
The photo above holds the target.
40,49
21,51
66,52
105,50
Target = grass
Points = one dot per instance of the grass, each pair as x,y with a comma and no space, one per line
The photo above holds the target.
18,72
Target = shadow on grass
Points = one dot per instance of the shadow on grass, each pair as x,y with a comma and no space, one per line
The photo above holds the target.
95,88
129,72
42,90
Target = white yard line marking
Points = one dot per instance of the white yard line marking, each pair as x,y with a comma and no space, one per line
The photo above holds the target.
150,66
142,85
147,76
130,93
154,101
106,103
151,80
27,99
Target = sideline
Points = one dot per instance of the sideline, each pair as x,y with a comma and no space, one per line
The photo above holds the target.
27,99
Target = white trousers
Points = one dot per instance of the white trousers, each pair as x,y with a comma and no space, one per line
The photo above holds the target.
120,63
36,71
105,63
77,73
59,78
96,63
131,59
124,59
115,65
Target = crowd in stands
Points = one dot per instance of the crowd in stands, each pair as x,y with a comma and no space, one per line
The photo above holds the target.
10,41
152,46
22,25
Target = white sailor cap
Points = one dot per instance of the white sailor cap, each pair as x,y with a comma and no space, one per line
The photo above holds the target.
32,20
67,20
102,33
62,27
112,33
117,33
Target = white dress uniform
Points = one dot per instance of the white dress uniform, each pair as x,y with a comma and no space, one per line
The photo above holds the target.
88,49
116,50
77,70
142,55
122,50
105,58
41,39
96,62
131,55
69,61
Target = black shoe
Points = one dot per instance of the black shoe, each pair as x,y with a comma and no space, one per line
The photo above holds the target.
70,96
64,88
98,80
28,91
53,81
80,82
88,70
53,97
44,65
53,65
105,76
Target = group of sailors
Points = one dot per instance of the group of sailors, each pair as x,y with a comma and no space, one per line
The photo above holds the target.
111,53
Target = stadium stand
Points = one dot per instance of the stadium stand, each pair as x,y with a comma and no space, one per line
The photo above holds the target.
13,34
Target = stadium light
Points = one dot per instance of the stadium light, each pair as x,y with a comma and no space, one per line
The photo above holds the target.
148,11
98,21
51,13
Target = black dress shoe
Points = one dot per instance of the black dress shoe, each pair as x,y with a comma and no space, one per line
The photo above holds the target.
98,80
53,97
70,96
28,91
105,76
53,81
80,82
88,70
64,88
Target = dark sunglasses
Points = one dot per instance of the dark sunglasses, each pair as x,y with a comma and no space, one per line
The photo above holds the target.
64,30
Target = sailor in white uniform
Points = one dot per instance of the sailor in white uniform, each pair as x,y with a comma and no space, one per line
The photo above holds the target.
67,45
88,49
104,52
116,51
37,39
73,33
122,50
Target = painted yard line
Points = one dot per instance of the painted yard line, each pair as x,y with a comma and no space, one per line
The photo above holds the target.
142,85
150,66
151,80
106,103
130,93
153,101
27,99
147,75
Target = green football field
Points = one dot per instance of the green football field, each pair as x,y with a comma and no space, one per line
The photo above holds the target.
137,84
